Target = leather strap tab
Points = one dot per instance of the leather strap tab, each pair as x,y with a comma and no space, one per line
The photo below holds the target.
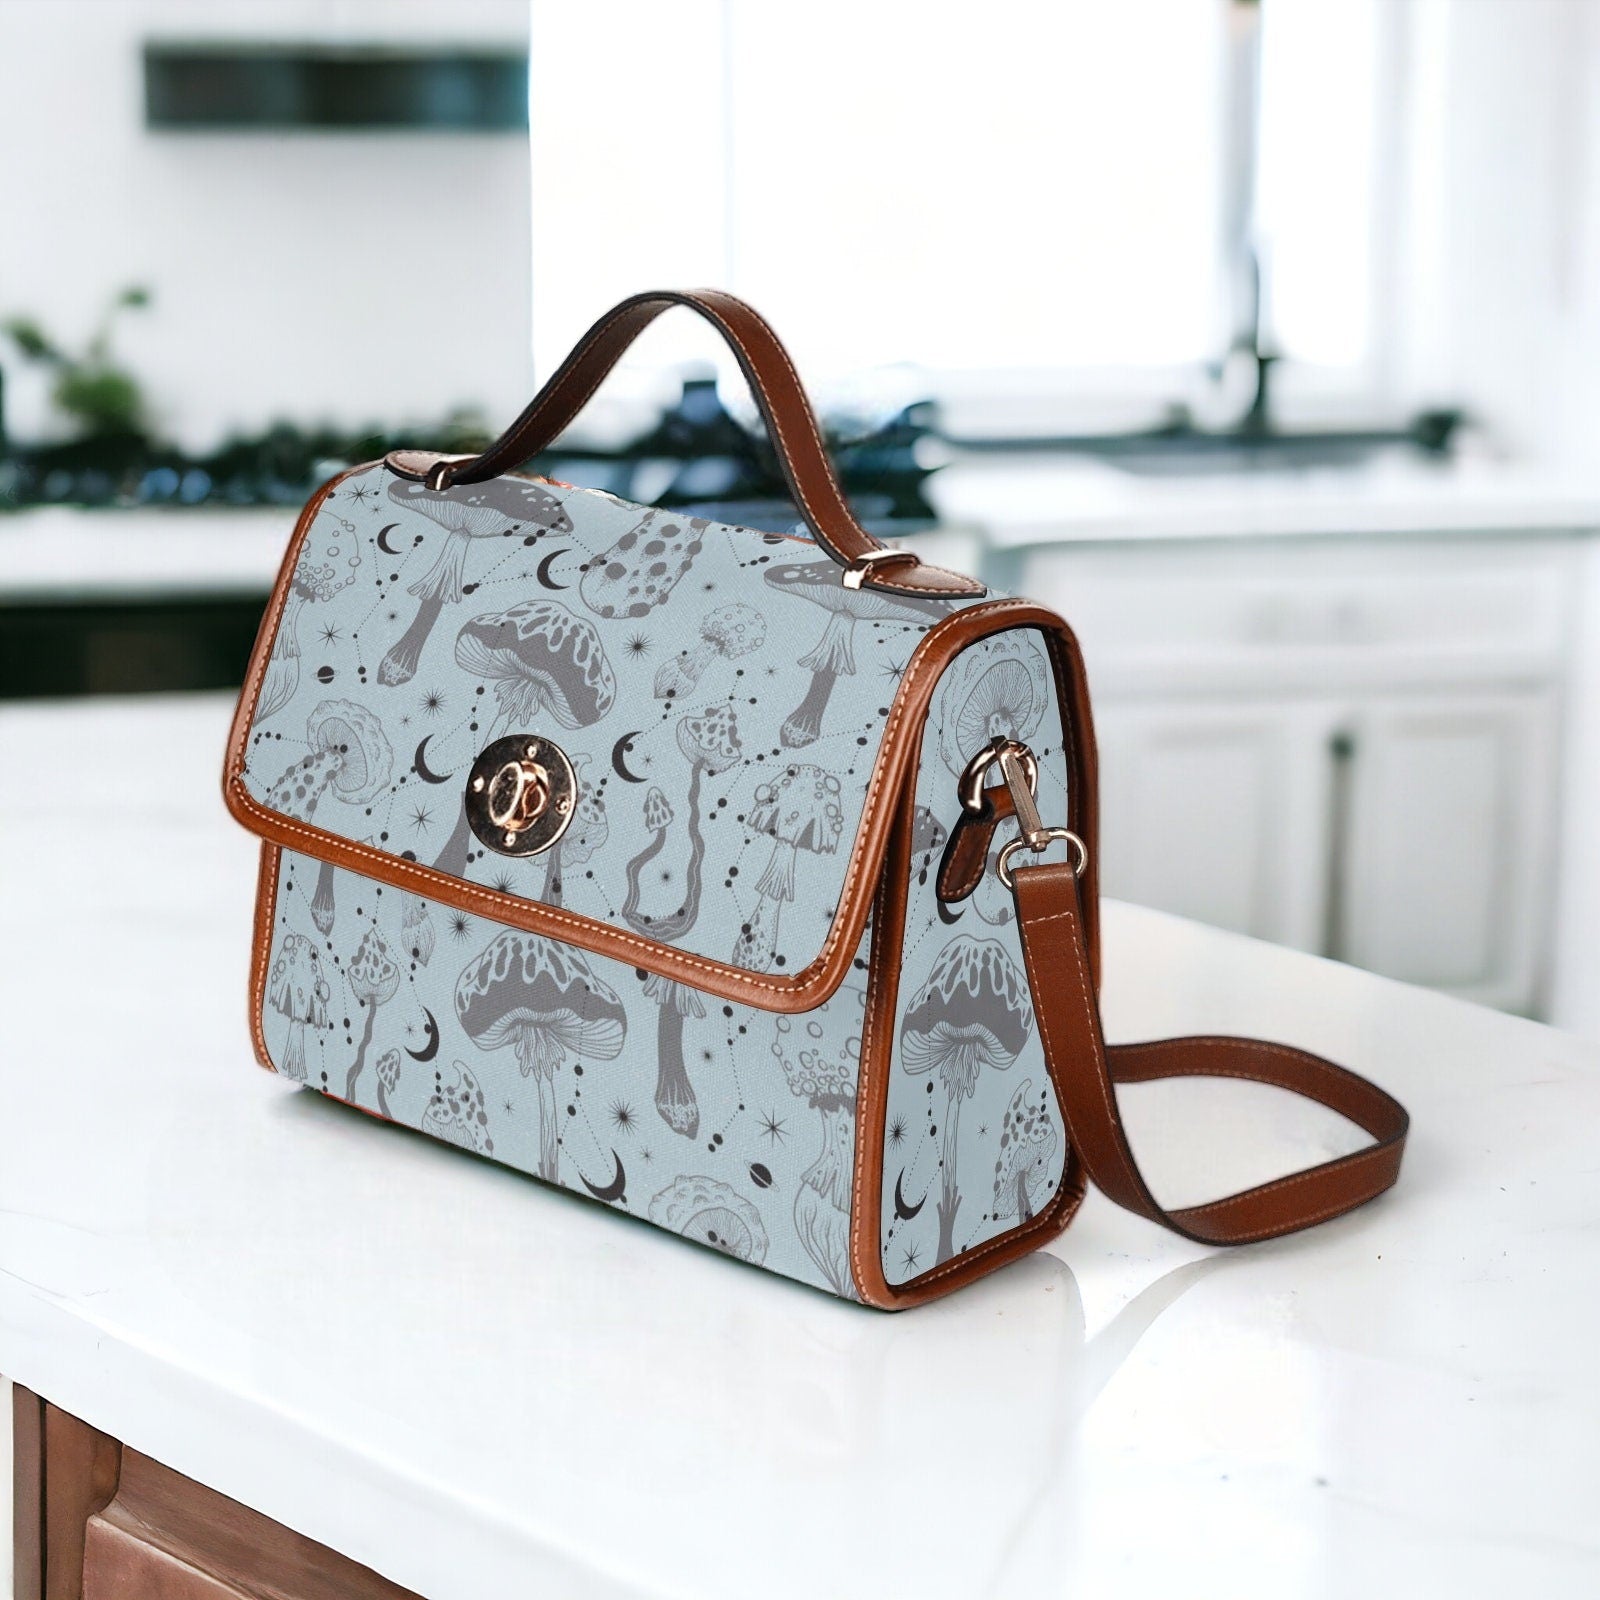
1084,1070
791,425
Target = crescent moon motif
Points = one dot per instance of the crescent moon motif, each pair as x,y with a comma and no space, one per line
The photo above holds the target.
431,1048
613,1190
424,771
619,752
904,1212
388,528
543,570
946,915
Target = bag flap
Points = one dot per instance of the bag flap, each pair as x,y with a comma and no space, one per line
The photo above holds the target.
738,721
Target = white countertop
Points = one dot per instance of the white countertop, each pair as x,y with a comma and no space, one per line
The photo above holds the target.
486,1388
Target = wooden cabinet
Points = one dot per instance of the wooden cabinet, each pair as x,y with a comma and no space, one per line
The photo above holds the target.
1350,748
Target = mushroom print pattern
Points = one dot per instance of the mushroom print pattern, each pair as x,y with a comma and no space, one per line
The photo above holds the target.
643,567
388,1071
485,511
373,978
709,743
729,631
586,833
973,1012
834,655
546,1002
709,1212
328,564
298,989
545,662
999,691
456,1111
827,1078
1025,1167
801,812
349,755
416,930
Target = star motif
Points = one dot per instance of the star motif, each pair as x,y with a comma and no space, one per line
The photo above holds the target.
507,1106
893,669
433,702
621,1115
420,818
330,634
897,1130
772,1125
983,1130
909,1258
637,645
361,493
502,884
460,925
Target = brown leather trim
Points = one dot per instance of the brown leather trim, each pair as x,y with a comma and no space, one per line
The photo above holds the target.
966,851
261,948
779,395
872,1091
803,990
1050,923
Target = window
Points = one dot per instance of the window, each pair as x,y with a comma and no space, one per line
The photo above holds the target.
1037,188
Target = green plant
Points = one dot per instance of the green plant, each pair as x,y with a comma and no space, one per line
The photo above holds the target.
90,388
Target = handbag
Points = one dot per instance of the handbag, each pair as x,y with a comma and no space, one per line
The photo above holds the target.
742,881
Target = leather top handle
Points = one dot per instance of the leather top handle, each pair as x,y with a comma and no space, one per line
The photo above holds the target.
791,424
1084,1070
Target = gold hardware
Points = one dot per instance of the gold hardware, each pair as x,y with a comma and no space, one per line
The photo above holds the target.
1019,767
521,794
859,570
970,784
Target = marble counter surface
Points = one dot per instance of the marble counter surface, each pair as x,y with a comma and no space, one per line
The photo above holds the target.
485,1388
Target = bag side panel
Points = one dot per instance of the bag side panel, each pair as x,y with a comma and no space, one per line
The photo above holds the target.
732,1126
973,1139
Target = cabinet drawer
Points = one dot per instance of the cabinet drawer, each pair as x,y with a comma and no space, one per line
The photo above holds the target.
1247,615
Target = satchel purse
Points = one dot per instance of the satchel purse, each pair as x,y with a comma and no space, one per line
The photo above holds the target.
745,882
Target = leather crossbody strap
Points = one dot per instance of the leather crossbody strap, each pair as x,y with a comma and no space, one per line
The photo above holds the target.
791,425
1084,1070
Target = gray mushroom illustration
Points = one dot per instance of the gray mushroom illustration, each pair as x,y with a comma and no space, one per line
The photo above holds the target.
833,657
827,1080
388,1069
675,1097
416,929
586,833
349,755
729,631
328,562
927,841
710,1212
481,511
657,820
709,742
298,989
800,810
546,663
973,1012
545,1002
373,978
457,1112
1000,688
643,567
1025,1167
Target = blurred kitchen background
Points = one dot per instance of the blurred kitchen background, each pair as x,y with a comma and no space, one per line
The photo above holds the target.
1262,339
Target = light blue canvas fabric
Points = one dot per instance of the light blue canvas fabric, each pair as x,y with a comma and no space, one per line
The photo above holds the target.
723,700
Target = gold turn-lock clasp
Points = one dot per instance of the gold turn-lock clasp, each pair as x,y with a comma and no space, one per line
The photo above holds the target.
521,794
1019,767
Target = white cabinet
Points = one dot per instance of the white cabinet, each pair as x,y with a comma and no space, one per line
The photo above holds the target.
1350,748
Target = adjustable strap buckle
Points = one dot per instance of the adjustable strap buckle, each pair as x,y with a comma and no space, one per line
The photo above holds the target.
1020,769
